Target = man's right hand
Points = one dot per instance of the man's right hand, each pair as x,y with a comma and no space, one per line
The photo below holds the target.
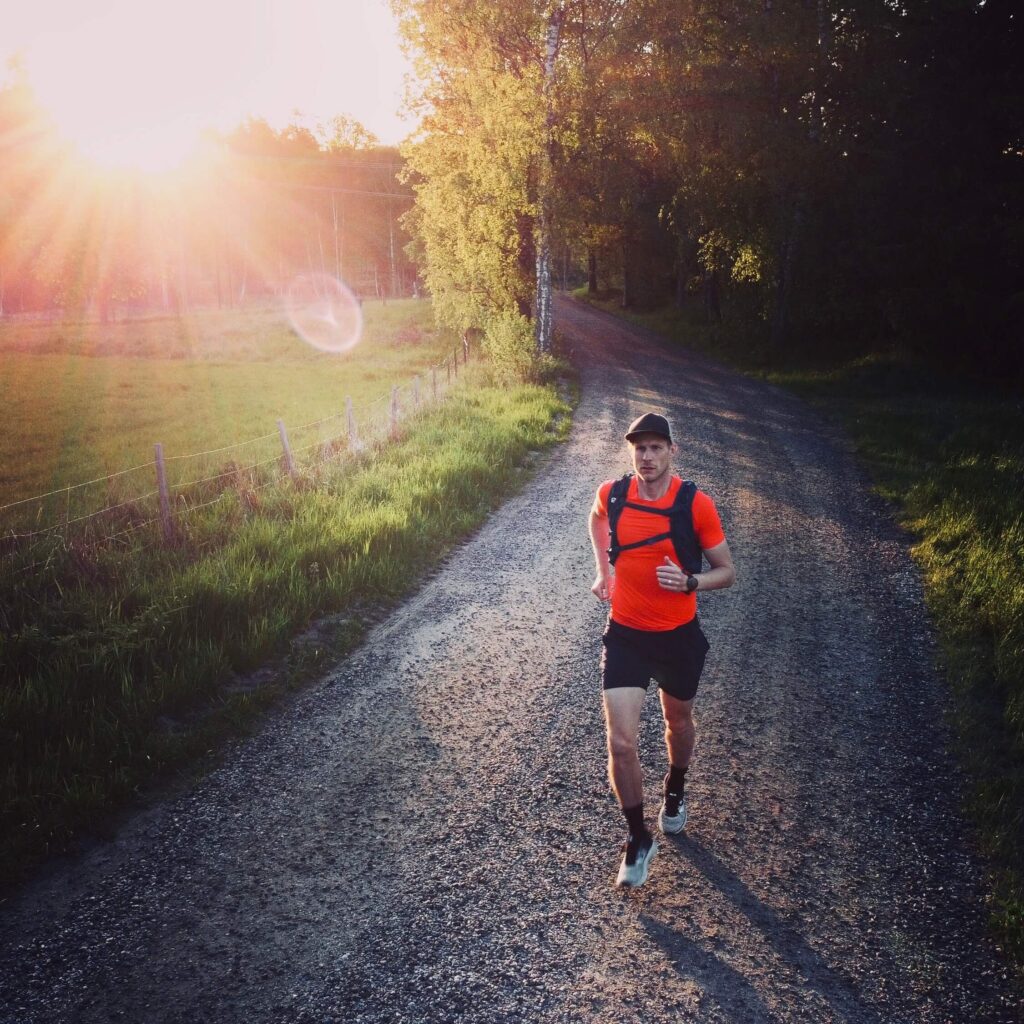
600,588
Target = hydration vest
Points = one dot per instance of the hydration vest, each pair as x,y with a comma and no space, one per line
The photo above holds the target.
680,523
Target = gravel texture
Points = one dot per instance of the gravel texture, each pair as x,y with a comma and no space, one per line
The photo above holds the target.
426,834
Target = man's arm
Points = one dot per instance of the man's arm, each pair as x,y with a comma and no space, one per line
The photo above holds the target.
600,538
722,574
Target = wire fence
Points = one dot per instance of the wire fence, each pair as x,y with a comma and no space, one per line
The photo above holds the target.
158,497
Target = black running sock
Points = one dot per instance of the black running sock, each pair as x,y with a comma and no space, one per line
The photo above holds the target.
635,820
675,780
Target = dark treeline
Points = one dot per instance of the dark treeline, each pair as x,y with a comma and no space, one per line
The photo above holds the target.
822,175
253,210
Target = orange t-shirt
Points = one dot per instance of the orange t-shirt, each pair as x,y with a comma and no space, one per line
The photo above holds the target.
637,599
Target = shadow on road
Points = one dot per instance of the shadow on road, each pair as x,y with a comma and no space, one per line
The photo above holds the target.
728,986
723,984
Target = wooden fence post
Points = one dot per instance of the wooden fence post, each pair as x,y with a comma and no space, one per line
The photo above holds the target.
353,441
394,409
433,381
416,391
448,367
465,349
289,459
165,499
455,362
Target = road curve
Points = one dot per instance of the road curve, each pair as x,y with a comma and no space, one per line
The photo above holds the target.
426,834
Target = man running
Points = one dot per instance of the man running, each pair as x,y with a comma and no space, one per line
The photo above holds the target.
653,631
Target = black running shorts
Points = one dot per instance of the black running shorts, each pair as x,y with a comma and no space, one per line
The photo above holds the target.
674,658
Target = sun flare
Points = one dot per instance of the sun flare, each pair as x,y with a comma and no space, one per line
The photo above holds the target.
134,84
127,108
113,147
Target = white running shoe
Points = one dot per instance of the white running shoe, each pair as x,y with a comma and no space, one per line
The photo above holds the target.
636,861
672,816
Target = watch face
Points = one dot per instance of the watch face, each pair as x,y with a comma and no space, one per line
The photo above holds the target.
691,584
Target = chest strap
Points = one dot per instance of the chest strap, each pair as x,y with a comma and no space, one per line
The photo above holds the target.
680,523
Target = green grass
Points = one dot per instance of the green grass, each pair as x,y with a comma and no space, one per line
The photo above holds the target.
119,658
949,455
83,401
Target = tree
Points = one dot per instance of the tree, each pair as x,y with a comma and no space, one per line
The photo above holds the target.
498,94
344,134
474,164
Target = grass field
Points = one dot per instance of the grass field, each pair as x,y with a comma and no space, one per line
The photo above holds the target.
122,660
948,453
84,401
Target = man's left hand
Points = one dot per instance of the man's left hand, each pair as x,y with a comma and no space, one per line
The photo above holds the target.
670,576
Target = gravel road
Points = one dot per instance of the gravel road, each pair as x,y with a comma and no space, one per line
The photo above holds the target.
426,834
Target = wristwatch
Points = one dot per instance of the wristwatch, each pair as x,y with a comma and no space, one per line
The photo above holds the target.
691,584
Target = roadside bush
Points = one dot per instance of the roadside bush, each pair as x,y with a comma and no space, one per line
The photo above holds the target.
510,348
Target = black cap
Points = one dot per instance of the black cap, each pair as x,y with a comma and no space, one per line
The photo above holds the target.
649,423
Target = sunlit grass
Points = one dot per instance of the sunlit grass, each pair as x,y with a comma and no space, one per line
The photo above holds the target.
85,400
118,659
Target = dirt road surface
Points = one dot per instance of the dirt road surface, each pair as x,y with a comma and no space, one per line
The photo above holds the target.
427,835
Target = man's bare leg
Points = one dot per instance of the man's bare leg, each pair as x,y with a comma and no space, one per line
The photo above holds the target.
680,734
680,731
622,708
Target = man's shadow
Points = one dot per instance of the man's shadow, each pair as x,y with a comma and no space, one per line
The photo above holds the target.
728,987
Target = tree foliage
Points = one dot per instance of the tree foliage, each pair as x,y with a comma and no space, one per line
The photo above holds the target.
474,163
825,174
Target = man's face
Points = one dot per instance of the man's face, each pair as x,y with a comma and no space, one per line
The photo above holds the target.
652,457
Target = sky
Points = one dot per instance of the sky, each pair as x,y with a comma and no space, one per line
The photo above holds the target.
135,81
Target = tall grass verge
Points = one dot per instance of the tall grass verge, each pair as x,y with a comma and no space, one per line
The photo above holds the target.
949,455
110,651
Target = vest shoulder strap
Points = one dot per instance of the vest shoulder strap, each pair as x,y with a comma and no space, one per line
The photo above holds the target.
684,538
680,523
616,503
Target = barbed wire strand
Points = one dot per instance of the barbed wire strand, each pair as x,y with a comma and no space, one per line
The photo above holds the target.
375,431
33,565
206,504
75,487
217,451
82,519
133,529
237,471
317,423
177,487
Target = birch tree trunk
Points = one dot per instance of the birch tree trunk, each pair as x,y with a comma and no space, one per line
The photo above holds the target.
544,323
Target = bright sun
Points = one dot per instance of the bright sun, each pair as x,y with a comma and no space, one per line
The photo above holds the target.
127,112
149,148
134,83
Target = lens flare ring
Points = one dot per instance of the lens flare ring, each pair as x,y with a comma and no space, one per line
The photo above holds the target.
324,312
